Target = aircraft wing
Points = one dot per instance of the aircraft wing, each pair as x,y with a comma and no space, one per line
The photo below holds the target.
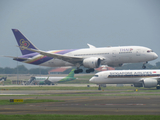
71,59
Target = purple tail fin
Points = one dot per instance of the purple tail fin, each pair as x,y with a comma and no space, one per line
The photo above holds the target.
23,41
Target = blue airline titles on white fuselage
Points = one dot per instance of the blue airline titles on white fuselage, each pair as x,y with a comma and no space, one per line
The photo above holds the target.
91,57
140,78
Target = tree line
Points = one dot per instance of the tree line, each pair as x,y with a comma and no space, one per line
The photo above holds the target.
136,66
21,69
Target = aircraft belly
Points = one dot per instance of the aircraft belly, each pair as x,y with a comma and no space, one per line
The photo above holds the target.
124,59
56,63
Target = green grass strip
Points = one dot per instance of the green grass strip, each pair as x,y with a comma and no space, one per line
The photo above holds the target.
7,102
80,117
91,94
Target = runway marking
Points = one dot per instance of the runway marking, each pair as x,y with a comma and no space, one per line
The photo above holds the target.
76,98
28,98
14,94
9,108
104,104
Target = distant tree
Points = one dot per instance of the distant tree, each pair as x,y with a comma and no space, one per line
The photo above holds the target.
21,69
134,66
8,70
39,70
1,71
34,71
44,71
158,65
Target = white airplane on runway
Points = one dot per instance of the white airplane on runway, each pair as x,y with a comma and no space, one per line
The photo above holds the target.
51,80
139,78
90,58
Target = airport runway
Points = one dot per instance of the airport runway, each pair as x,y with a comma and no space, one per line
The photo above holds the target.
82,104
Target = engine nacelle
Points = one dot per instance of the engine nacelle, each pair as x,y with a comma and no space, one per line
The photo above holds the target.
92,62
149,82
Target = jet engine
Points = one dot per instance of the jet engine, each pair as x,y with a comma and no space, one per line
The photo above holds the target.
149,82
92,62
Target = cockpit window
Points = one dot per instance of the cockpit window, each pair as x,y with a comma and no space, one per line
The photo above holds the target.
148,51
95,75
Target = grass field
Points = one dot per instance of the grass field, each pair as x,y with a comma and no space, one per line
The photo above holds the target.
7,102
86,91
79,117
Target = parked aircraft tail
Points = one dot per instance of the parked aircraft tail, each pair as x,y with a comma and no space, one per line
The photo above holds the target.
23,41
71,74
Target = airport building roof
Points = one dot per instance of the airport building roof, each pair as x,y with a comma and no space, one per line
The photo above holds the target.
58,70
103,68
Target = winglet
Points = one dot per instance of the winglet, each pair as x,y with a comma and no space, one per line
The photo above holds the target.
91,46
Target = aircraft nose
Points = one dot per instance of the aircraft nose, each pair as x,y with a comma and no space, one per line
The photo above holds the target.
155,56
91,80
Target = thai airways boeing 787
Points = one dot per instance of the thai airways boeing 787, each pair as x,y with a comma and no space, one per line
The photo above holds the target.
90,58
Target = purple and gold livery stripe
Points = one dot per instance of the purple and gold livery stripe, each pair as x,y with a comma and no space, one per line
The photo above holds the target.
63,51
36,59
41,58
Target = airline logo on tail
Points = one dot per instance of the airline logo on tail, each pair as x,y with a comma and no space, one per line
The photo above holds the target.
23,43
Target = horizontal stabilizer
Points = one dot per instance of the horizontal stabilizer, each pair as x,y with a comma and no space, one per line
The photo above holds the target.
17,58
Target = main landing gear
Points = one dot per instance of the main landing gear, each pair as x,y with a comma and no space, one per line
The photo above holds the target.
89,70
144,65
158,87
99,88
80,71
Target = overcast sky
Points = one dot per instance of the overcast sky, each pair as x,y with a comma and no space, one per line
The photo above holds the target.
71,24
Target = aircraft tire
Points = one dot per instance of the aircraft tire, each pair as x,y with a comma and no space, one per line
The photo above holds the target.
143,67
99,88
89,70
158,87
78,71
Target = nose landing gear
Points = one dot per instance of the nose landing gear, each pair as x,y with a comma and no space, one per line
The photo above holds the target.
144,65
